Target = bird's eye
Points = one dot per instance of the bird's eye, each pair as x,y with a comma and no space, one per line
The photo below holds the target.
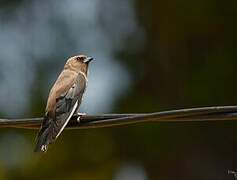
78,58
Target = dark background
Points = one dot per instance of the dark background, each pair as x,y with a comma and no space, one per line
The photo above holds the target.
150,56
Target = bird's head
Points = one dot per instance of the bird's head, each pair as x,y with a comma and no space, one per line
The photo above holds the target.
79,63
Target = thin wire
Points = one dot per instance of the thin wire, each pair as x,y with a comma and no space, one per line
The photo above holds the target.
207,114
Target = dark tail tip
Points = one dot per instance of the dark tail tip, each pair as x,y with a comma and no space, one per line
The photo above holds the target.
43,137
40,148
41,145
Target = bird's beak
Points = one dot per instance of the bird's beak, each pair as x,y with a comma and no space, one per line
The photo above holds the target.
89,59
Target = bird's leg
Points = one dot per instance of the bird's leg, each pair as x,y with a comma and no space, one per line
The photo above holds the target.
79,114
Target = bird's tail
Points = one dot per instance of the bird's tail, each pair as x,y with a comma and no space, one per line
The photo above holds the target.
46,135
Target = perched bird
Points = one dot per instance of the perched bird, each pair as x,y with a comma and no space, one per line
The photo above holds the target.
64,100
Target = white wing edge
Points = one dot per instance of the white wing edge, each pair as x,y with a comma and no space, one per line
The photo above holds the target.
69,117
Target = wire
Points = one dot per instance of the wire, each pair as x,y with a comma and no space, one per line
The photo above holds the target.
207,114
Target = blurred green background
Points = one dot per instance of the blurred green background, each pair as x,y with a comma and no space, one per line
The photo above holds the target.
150,56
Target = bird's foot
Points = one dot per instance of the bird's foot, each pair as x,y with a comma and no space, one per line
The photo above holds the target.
79,116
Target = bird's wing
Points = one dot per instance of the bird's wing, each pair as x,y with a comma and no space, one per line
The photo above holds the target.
64,99
63,84
68,102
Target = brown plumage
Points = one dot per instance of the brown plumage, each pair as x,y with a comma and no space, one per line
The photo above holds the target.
64,100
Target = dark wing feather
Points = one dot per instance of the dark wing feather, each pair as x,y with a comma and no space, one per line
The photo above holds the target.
66,103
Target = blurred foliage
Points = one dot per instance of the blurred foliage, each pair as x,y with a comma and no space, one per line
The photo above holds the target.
188,59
